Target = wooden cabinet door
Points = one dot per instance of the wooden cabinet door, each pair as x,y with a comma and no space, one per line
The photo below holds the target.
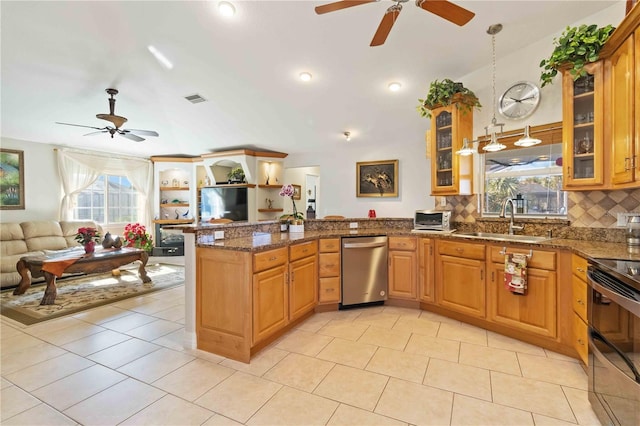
534,312
426,276
620,68
270,302
451,174
580,336
460,285
303,288
402,274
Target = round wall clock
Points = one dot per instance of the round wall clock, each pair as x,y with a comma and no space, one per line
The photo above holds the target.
519,100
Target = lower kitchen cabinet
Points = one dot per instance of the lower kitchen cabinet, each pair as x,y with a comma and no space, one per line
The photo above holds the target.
303,278
535,311
460,277
329,271
426,288
270,302
579,300
403,268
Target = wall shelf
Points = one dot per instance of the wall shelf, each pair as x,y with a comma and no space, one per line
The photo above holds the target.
269,210
270,186
169,205
174,188
172,221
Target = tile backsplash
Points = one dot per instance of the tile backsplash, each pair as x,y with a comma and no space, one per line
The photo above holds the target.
589,209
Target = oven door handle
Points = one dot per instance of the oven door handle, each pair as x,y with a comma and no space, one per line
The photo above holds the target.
629,304
593,336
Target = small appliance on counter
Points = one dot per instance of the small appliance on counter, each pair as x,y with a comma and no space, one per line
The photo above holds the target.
432,221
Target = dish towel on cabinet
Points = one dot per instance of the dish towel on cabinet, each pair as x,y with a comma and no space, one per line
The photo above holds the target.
515,273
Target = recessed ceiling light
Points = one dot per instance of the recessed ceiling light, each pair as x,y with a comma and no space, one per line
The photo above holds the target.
226,9
305,76
395,86
160,57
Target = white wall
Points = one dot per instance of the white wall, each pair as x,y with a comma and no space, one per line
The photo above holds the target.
337,170
42,190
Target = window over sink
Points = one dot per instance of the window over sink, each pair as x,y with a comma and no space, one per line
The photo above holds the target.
531,176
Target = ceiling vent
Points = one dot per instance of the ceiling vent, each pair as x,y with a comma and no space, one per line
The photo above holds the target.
195,99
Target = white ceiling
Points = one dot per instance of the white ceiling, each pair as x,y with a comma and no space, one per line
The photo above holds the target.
59,56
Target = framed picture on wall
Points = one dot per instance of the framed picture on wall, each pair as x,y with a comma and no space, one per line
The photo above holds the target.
11,179
297,192
377,178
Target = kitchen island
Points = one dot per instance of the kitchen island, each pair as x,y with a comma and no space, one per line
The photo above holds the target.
251,289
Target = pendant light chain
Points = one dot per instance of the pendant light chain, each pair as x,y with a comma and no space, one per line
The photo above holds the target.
493,78
494,145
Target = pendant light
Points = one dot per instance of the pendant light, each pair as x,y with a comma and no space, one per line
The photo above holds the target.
466,149
494,145
527,140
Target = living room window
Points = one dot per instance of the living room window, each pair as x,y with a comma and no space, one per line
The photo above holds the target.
109,200
530,176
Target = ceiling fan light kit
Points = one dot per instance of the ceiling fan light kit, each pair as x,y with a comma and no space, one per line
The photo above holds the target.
442,8
118,121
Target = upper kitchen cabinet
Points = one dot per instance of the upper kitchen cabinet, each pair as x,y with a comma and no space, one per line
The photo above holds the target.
621,56
582,123
620,70
451,174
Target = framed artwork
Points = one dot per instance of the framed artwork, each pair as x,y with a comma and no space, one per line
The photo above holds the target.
297,192
377,179
11,179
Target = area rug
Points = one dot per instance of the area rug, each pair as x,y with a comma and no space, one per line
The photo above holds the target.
88,291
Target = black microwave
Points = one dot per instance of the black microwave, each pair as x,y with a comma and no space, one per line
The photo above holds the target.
432,220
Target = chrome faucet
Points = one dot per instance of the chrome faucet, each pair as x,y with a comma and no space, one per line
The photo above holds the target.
512,227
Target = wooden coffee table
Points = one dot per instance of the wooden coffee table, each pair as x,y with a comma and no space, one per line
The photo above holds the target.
100,261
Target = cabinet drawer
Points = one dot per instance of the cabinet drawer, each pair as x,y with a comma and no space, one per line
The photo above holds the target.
579,297
402,243
459,249
268,259
329,245
540,259
329,265
298,251
579,267
580,332
329,290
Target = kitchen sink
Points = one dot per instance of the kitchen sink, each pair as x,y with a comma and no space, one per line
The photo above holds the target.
501,237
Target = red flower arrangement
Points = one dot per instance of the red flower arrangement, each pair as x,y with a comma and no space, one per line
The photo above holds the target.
136,236
87,235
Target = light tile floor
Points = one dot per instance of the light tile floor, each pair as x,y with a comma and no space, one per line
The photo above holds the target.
124,364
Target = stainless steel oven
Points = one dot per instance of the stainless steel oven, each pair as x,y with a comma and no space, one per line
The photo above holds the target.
614,340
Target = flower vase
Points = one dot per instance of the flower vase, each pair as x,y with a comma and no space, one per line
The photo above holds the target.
89,247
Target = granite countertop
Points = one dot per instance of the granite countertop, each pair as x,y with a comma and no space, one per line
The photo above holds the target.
267,241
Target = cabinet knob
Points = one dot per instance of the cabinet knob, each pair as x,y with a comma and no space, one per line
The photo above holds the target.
329,290
272,258
580,302
581,342
459,249
305,250
580,269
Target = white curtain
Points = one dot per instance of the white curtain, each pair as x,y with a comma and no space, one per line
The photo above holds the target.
79,170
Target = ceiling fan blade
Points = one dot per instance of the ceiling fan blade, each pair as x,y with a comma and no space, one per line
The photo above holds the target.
131,136
142,132
389,18
447,10
80,125
117,120
339,5
98,132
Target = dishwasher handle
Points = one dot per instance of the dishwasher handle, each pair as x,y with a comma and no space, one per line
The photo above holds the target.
363,245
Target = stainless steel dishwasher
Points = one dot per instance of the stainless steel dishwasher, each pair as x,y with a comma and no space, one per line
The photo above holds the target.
364,270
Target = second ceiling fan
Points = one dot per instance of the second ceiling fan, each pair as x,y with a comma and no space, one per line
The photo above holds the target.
443,8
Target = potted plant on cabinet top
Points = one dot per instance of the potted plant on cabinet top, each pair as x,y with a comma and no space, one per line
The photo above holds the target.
236,175
447,92
576,47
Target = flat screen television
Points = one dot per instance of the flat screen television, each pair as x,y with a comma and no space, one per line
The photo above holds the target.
224,202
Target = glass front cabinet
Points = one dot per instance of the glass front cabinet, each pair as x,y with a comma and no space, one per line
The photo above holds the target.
451,174
582,123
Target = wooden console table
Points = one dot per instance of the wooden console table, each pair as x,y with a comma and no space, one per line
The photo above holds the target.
100,261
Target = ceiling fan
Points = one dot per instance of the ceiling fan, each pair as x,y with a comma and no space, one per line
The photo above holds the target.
442,8
117,121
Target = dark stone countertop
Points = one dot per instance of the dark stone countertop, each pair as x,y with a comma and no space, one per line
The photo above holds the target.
261,241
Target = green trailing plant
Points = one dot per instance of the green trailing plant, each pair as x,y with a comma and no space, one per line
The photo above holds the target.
446,92
576,47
